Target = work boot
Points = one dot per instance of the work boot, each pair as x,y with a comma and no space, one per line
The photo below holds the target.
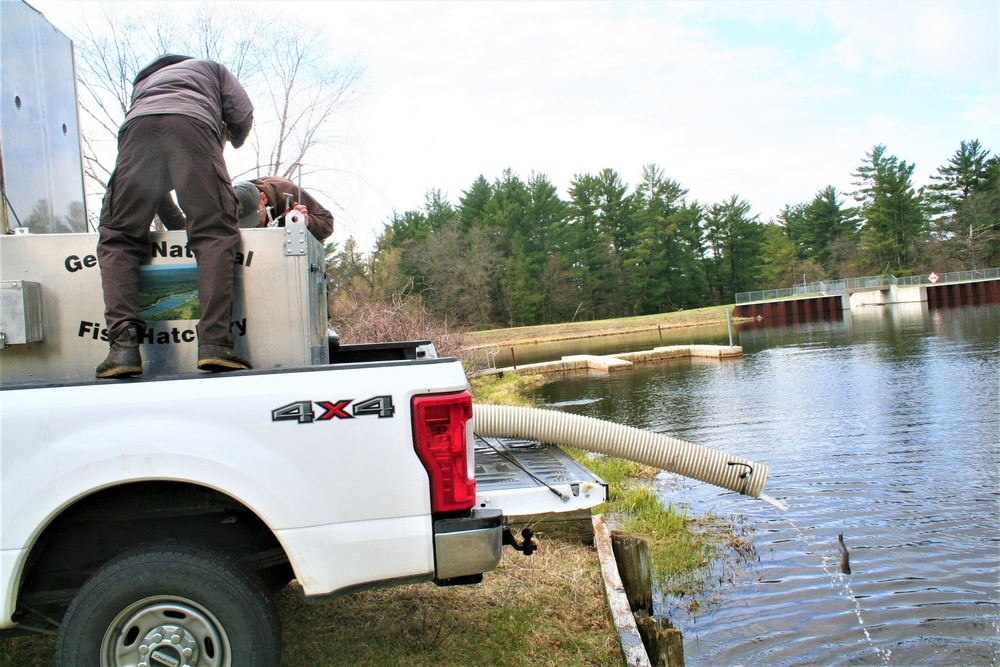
124,360
220,358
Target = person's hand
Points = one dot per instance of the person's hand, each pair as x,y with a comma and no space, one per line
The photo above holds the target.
301,209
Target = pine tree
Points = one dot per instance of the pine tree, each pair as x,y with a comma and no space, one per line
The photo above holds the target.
664,253
779,261
894,220
473,202
965,203
689,286
598,230
735,242
549,276
819,232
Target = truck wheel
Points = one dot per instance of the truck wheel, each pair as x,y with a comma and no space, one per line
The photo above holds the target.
174,605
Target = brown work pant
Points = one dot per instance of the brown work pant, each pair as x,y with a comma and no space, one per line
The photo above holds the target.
157,154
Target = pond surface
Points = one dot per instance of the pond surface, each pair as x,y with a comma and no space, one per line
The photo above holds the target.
883,426
163,305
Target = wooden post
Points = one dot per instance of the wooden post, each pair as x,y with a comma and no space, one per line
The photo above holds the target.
632,556
664,643
633,650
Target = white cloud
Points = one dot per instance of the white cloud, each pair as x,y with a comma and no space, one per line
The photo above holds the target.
956,39
567,88
561,89
985,111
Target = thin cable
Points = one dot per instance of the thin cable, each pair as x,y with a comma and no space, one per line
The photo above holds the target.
528,472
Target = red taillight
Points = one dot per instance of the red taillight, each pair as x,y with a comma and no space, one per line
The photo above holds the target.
439,437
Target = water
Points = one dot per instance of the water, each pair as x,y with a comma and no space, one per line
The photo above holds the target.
166,304
883,426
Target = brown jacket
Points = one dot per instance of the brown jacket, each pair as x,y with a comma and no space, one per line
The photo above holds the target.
319,221
200,89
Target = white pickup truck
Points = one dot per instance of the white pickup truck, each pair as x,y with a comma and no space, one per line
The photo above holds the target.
150,520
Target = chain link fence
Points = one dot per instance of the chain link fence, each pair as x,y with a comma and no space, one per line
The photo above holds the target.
840,287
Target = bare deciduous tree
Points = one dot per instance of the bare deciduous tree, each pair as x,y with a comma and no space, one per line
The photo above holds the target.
298,89
303,96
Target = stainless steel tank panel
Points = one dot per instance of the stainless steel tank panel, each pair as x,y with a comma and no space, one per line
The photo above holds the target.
279,313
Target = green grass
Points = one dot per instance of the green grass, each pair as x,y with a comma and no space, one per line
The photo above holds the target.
690,558
547,609
678,548
504,389
29,651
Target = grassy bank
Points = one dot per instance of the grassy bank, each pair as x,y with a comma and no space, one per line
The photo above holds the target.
691,558
622,325
547,609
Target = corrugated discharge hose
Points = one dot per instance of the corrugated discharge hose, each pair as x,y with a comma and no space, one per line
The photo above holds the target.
625,442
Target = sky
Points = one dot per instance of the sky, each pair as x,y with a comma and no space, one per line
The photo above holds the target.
768,101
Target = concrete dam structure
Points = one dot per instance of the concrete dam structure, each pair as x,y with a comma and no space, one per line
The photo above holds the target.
829,298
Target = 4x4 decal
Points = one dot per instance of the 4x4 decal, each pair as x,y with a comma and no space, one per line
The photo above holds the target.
302,412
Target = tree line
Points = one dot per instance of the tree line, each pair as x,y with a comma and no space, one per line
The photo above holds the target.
513,252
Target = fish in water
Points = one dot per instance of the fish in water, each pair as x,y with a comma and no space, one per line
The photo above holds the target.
845,558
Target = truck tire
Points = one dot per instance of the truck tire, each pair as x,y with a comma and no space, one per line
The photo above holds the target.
171,604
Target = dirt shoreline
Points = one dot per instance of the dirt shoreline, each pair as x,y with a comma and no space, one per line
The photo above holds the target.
547,333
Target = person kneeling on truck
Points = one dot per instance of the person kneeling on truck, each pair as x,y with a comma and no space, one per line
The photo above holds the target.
264,202
183,111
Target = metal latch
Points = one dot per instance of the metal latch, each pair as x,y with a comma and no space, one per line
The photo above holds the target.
296,234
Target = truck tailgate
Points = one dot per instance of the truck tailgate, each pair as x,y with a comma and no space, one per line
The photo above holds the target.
524,477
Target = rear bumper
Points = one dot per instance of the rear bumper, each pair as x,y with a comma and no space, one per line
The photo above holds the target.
467,546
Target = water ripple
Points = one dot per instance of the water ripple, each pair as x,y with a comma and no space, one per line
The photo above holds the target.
885,428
